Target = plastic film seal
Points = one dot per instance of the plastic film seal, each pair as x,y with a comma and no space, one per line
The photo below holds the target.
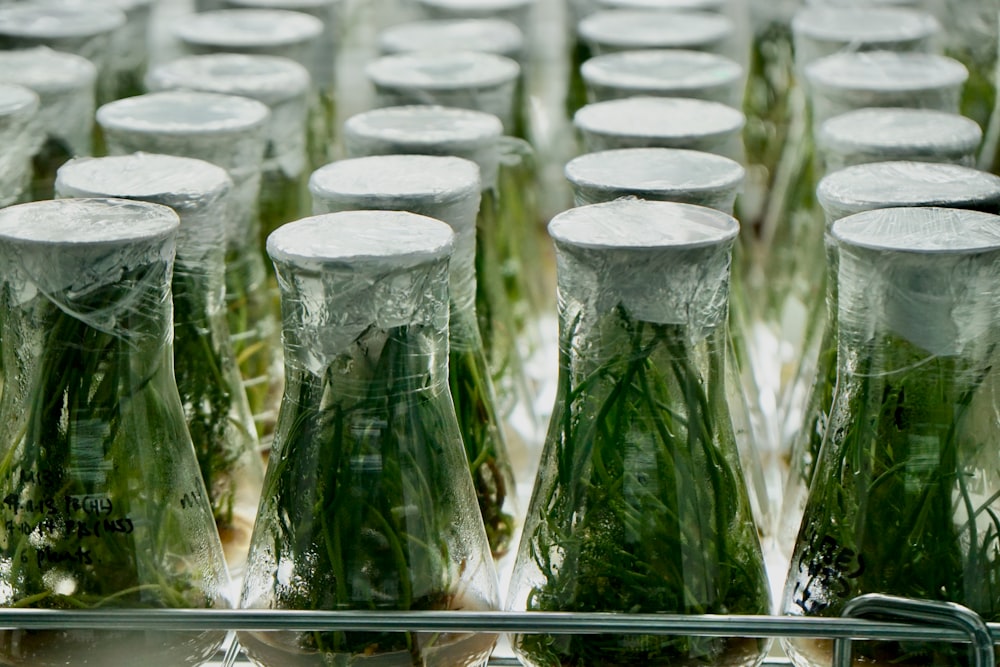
929,275
905,184
884,134
664,262
428,130
823,31
664,73
664,122
628,29
495,36
20,137
462,79
517,12
847,81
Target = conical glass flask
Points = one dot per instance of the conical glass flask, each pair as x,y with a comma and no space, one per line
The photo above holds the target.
208,378
865,187
447,189
904,499
103,505
368,502
640,504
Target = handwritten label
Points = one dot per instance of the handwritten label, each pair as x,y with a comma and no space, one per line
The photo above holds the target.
826,569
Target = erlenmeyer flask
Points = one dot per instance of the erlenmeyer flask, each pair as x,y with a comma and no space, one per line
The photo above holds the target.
102,501
904,499
640,503
368,502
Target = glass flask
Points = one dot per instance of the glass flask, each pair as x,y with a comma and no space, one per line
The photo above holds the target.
103,505
273,32
865,187
459,79
847,81
904,498
368,503
131,46
703,179
20,136
446,189
663,73
502,298
640,504
883,134
208,379
661,122
65,85
229,132
283,85
83,29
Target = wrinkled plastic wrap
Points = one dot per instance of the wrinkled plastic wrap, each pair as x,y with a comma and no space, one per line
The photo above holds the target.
268,32
664,73
105,504
580,9
489,35
431,130
65,84
280,83
894,184
611,31
225,130
461,79
823,31
131,46
875,135
640,463
331,12
663,262
366,428
20,137
847,81
212,395
903,500
661,122
665,174
83,29
518,12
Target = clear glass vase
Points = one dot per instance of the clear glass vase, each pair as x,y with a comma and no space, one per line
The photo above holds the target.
65,85
904,498
368,502
230,132
102,501
864,187
446,189
215,403
640,504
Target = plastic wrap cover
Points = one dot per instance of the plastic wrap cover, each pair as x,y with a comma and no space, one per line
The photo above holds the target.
65,84
847,81
225,130
664,262
340,273
628,29
20,137
517,12
665,174
132,42
196,190
268,32
894,184
486,35
871,135
428,130
912,4
440,187
280,83
930,275
664,73
71,27
823,31
461,79
665,122
765,13
63,247
670,5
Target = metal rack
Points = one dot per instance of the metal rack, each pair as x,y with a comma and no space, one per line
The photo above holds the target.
912,620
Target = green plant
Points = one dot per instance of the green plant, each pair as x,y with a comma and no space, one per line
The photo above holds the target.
641,505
